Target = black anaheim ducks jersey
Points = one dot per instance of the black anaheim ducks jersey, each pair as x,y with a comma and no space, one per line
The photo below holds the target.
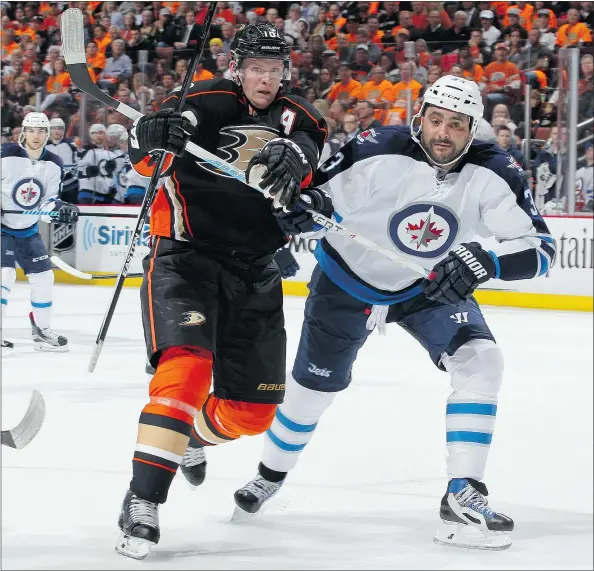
200,203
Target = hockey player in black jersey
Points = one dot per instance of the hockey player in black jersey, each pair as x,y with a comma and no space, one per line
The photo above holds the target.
211,295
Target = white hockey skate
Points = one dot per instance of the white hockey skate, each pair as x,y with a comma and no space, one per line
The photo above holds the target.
139,523
46,339
467,520
253,495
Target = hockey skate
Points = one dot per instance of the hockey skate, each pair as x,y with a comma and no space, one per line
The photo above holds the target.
193,466
468,521
253,495
46,339
139,522
7,347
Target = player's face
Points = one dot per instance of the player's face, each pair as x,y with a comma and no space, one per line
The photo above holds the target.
56,133
98,138
35,137
444,134
261,79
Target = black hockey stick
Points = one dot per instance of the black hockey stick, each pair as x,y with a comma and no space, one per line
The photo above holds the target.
74,55
61,264
26,430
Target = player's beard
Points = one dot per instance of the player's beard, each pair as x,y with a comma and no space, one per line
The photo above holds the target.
452,156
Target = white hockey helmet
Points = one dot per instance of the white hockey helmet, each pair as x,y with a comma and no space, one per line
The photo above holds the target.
454,94
117,131
96,128
34,119
57,123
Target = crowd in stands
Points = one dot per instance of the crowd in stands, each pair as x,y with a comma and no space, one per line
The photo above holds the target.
362,64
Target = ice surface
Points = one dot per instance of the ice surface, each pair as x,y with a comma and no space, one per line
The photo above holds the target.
366,492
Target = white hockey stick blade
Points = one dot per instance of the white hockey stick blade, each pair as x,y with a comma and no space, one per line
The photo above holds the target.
73,48
27,429
58,262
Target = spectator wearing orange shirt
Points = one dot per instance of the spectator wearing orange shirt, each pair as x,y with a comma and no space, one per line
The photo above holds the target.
95,59
347,89
378,90
102,38
375,34
24,30
471,70
574,32
401,89
500,74
8,44
525,16
201,74
225,13
59,80
542,10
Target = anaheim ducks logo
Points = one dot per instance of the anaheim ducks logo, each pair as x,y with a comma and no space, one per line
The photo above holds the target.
238,144
193,318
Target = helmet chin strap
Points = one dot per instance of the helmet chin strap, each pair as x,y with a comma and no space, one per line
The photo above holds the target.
416,137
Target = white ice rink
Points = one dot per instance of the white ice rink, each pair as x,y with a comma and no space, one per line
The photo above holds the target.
366,492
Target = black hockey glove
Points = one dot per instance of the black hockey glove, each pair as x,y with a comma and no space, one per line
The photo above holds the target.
164,130
299,221
91,171
68,213
109,167
455,278
286,262
286,166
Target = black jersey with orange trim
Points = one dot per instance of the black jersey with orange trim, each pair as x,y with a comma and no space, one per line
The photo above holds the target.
199,203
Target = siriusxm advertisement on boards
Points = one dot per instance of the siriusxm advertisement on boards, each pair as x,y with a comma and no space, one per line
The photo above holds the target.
102,243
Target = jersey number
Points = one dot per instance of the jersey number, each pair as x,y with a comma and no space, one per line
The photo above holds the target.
288,120
332,162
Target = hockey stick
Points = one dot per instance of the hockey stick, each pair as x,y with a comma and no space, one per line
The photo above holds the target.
80,77
61,264
26,430
74,54
55,213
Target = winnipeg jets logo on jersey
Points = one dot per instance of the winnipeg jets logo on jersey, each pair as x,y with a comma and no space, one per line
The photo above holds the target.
238,144
369,135
27,193
425,230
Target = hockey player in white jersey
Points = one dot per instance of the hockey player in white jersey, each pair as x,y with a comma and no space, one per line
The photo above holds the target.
68,152
425,192
31,182
96,167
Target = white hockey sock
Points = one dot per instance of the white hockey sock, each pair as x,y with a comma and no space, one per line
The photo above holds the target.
293,425
477,370
41,297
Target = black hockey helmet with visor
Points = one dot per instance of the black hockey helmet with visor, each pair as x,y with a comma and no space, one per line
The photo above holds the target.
262,41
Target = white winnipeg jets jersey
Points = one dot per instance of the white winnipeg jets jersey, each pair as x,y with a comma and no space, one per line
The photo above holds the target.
27,185
384,188
91,155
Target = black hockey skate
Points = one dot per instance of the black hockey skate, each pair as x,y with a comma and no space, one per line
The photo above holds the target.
7,347
139,522
467,519
46,339
193,466
254,494
149,369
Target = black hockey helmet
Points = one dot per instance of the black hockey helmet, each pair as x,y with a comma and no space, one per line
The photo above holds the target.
261,40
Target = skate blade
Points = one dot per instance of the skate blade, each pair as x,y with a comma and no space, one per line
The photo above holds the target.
44,347
241,516
133,547
470,537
